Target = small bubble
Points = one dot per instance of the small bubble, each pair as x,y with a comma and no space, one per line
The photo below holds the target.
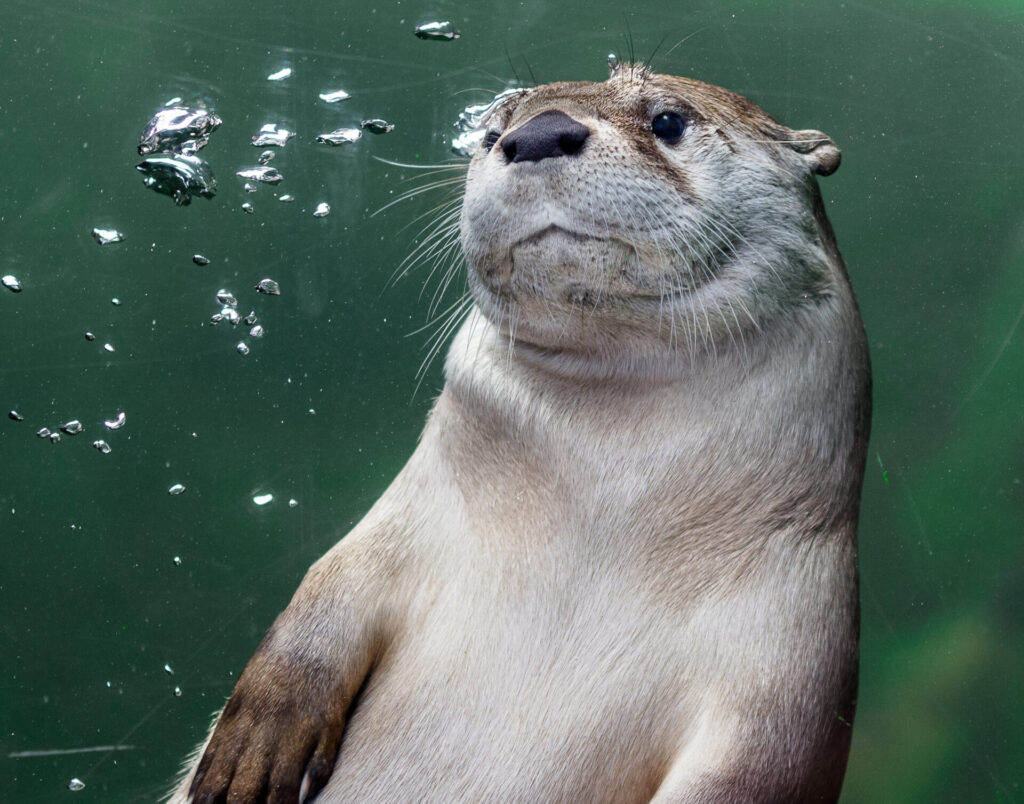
43,432
441,30
54,438
177,561
323,209
340,136
73,427
176,489
15,416
250,319
256,331
11,283
262,499
263,173
168,670
270,134
333,96
247,208
292,502
105,236
102,446
268,286
242,348
199,259
377,126
177,692
108,347
115,301
226,298
116,423
286,199
89,336
280,75
75,785
265,157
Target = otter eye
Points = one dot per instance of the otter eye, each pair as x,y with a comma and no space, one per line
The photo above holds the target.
668,127
489,139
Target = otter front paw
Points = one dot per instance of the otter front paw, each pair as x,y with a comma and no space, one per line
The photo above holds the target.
277,738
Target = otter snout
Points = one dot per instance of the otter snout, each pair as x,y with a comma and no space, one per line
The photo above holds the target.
549,134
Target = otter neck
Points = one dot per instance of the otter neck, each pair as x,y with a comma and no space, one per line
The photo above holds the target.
717,432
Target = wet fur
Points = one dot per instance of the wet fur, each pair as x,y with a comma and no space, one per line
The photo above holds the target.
621,564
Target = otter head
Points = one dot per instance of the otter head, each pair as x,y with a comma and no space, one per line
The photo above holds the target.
645,211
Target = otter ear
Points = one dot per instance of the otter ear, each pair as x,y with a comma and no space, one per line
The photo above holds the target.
819,152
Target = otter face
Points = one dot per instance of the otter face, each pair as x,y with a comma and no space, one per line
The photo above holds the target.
645,207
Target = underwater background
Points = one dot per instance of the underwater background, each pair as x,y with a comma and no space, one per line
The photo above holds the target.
126,611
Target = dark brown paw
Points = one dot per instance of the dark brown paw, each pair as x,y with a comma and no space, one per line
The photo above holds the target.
276,740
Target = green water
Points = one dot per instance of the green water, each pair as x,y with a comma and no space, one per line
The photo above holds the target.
926,101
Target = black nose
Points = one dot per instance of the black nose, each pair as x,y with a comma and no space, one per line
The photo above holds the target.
551,133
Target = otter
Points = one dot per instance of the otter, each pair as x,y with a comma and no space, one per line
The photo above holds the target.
620,565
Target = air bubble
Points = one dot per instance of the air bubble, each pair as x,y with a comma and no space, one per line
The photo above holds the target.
280,75
242,348
176,561
333,96
180,130
177,692
11,283
340,136
265,157
247,208
286,199
377,126
116,423
105,236
249,187
115,301
256,332
178,176
226,298
15,416
108,347
176,489
199,259
102,446
73,427
292,502
263,173
323,209
250,319
43,432
75,785
268,286
89,336
262,499
470,124
270,134
168,670
54,438
441,30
